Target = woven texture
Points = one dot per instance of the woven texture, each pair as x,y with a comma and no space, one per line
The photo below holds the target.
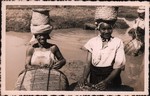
106,13
133,47
38,80
40,17
40,22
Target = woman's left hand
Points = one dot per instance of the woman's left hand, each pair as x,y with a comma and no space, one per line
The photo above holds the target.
58,65
101,86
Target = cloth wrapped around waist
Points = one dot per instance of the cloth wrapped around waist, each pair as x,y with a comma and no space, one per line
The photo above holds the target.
98,74
101,70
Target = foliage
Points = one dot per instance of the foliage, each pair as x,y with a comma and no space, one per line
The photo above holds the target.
18,18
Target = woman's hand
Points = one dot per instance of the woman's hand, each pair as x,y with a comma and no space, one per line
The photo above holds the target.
101,86
27,66
82,82
104,84
59,64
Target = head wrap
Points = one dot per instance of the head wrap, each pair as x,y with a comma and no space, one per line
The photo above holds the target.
141,9
40,23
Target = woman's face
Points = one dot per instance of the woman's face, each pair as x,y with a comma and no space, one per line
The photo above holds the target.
105,30
42,38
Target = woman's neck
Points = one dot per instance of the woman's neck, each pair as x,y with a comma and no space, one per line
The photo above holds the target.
105,39
45,45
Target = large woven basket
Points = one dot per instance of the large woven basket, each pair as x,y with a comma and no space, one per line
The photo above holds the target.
42,80
106,13
40,17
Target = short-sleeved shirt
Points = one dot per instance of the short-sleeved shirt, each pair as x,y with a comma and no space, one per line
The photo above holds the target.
111,55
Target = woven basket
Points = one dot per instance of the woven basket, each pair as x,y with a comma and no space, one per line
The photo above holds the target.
38,80
133,47
106,13
40,17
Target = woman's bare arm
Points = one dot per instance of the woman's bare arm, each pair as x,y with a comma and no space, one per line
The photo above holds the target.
29,54
86,72
61,60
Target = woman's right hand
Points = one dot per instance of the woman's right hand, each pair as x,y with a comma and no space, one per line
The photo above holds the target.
82,82
27,66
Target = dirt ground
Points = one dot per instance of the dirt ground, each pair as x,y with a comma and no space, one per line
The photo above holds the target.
69,42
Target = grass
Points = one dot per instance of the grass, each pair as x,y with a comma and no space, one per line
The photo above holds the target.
18,17
130,13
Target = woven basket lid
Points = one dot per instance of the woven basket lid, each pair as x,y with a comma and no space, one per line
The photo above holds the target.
107,13
40,17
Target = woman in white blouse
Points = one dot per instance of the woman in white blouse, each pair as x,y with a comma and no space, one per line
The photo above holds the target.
105,58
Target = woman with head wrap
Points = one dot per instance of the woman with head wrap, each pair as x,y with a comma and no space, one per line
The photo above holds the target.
43,53
137,32
105,56
43,59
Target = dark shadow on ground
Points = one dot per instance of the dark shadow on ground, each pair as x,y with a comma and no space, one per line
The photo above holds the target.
74,87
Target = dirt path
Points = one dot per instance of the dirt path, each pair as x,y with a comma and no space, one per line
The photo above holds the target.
69,41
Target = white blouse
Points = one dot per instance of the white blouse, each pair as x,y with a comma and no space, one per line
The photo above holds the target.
112,54
43,57
139,23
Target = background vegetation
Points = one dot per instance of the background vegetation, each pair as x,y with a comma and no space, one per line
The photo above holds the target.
18,17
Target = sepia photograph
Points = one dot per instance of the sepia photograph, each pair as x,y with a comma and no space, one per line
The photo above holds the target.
72,48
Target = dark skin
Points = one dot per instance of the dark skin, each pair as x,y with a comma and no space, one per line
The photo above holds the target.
105,31
44,45
141,15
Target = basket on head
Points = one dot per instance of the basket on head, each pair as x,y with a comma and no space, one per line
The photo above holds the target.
106,14
40,17
40,22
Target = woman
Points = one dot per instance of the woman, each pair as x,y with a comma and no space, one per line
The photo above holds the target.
105,55
44,54
43,59
137,32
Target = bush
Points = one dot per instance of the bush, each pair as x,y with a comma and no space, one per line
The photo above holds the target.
130,13
18,19
121,24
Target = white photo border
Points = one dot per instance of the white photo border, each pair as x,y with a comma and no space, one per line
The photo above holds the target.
90,3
